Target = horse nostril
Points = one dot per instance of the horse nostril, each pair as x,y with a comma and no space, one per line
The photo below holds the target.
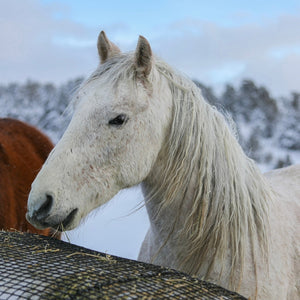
45,208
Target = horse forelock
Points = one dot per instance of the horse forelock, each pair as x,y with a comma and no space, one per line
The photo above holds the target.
109,75
115,70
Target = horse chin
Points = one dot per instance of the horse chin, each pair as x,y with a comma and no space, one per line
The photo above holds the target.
68,223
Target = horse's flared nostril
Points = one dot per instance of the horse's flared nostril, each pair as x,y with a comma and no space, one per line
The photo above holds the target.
44,210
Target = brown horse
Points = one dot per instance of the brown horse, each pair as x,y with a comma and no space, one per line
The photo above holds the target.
23,150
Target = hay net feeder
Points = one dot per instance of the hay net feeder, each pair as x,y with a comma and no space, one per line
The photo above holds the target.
38,267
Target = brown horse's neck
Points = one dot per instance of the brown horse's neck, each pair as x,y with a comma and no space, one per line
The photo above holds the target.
23,150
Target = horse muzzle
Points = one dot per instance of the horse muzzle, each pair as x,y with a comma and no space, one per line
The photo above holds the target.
41,215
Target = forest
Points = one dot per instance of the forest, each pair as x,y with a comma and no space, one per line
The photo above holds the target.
268,128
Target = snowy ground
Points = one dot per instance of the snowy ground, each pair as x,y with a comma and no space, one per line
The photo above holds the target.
116,228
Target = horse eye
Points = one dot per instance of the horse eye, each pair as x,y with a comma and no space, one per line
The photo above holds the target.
119,120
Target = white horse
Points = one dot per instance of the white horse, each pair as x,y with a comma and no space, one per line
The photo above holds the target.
212,213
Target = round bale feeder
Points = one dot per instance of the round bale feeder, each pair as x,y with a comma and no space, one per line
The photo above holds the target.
39,267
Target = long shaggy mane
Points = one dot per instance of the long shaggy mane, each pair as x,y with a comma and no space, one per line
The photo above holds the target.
230,196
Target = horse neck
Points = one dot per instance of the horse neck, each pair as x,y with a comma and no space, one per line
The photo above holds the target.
218,206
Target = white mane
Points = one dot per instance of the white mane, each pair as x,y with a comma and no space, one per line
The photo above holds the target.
231,198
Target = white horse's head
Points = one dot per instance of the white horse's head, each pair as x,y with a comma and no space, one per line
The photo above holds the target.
121,118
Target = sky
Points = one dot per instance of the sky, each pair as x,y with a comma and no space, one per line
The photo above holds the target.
215,42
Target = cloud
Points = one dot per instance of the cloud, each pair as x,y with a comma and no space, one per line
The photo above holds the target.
30,33
267,52
41,42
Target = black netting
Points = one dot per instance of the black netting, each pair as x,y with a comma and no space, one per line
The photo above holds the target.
37,267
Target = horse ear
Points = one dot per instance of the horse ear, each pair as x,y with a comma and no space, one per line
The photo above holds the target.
106,48
143,57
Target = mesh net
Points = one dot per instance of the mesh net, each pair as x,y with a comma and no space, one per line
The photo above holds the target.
38,267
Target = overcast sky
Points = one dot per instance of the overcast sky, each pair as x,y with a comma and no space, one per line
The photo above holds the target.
213,41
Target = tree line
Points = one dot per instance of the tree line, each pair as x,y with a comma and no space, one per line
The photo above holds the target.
268,128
